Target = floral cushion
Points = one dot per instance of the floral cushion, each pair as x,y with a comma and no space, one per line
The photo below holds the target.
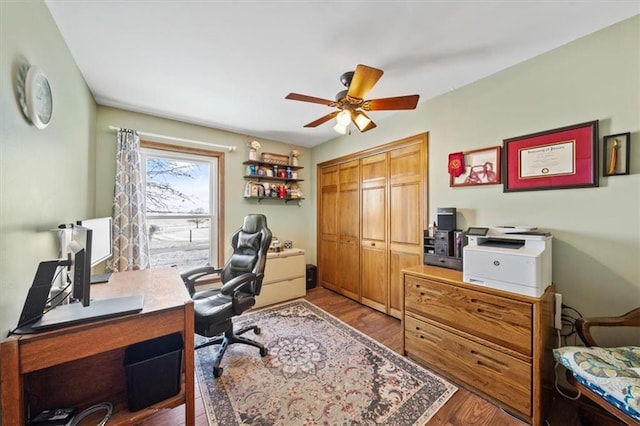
613,373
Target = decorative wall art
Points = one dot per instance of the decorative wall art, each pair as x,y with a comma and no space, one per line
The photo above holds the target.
561,158
478,167
616,154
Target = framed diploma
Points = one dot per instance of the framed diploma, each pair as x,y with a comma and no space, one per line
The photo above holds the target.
554,159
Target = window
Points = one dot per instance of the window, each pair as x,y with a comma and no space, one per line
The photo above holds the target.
183,190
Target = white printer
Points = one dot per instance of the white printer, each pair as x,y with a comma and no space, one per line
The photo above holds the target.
509,258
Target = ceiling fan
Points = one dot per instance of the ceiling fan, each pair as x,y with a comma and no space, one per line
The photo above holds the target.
351,103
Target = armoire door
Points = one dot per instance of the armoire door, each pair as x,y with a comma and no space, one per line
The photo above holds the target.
374,271
349,229
406,169
328,228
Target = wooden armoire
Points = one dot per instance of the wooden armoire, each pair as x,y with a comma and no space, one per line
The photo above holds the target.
371,217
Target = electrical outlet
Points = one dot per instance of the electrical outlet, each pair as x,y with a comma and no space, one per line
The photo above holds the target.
558,311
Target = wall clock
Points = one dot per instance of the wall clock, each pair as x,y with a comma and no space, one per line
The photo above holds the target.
35,95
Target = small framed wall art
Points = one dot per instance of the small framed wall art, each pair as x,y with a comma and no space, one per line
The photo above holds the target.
478,167
616,154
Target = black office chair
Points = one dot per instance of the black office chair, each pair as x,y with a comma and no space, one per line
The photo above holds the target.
241,279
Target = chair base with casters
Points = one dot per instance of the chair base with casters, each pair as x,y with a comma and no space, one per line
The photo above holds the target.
229,337
606,376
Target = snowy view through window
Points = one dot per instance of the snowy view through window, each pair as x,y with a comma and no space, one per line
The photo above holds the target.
179,207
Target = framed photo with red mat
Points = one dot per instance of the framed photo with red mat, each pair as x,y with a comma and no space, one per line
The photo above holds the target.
478,167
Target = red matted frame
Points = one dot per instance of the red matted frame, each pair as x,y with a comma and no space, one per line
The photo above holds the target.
561,158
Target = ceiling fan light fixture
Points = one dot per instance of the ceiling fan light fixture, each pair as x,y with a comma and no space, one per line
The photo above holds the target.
361,120
344,118
339,128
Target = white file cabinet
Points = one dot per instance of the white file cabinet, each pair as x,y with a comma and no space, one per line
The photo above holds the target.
284,277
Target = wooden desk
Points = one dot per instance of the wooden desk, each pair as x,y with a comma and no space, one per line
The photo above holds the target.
82,365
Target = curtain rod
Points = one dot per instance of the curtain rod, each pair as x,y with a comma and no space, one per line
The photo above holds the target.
154,135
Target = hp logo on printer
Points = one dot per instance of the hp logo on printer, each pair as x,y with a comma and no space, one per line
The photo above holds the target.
496,263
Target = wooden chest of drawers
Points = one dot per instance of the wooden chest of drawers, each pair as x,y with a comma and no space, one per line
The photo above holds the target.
494,343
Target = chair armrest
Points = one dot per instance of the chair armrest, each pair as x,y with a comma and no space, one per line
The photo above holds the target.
583,325
190,277
234,285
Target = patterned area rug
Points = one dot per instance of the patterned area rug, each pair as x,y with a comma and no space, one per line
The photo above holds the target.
318,371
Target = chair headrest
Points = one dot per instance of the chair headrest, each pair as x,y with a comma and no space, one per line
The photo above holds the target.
254,223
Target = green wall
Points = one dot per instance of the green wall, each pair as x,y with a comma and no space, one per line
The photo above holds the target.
46,176
596,246
286,221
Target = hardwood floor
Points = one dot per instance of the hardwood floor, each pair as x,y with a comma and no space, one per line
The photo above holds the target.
464,407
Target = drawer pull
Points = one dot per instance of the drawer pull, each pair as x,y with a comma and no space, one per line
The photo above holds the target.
495,315
429,292
424,335
493,364
492,305
489,366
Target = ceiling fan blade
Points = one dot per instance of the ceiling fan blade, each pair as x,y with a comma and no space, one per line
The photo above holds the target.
398,102
305,98
364,78
362,121
321,120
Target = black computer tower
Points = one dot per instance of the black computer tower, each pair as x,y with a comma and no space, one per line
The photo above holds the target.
312,276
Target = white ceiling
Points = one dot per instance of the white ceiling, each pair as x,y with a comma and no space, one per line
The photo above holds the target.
229,64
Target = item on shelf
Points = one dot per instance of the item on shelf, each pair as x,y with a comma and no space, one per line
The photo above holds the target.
288,244
254,146
269,157
276,245
294,157
253,189
282,191
294,191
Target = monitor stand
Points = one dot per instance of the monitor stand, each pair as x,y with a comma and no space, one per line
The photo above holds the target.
100,278
75,313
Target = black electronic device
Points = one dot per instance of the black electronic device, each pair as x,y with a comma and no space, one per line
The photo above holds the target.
33,318
55,417
80,250
38,294
475,231
446,218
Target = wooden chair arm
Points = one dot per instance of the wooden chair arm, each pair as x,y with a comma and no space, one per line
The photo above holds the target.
583,325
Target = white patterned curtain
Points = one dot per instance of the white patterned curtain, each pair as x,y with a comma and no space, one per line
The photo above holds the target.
130,238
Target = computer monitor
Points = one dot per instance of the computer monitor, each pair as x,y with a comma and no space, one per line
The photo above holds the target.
80,252
102,242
